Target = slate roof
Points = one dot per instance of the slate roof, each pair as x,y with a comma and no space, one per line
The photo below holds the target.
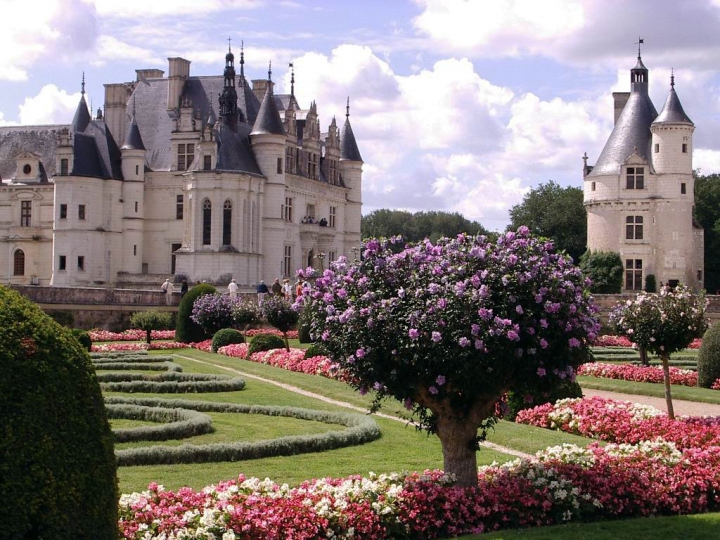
82,116
348,146
40,140
234,150
133,140
672,112
268,120
96,154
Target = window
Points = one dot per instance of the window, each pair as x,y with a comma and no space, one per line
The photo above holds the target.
136,207
62,264
173,257
27,169
310,211
64,166
81,262
185,156
19,263
683,189
684,148
63,211
332,172
135,249
312,166
207,222
633,274
227,223
331,256
634,227
635,178
81,211
592,186
279,165
331,216
179,207
287,261
207,163
699,275
25,213
137,170
657,148
287,209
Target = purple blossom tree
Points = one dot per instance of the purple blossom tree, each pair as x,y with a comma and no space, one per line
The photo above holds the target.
214,312
448,328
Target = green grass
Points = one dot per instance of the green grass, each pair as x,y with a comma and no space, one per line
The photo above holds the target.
688,393
695,527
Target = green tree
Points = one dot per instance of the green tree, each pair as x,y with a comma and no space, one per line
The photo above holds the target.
280,313
707,214
605,270
556,213
150,320
418,226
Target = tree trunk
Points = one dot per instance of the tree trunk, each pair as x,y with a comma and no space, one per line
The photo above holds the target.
147,336
287,342
643,356
457,437
666,375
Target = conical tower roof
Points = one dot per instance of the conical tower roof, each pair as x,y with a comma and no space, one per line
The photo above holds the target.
268,119
133,140
672,112
82,119
348,146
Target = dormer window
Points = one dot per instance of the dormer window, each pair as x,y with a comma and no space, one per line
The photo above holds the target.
27,169
635,178
185,156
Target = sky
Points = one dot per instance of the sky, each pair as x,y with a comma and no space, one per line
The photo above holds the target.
456,105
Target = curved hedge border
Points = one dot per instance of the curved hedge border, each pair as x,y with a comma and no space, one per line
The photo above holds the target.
138,366
360,429
132,358
169,383
176,423
117,354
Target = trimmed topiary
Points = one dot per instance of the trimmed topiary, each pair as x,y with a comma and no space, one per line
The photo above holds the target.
186,331
150,320
226,336
83,337
316,349
265,342
708,360
57,466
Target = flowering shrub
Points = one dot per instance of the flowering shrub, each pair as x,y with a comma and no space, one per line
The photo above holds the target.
279,313
291,334
623,422
560,484
448,328
214,312
130,335
612,341
626,372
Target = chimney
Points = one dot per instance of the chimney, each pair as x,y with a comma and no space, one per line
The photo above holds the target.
143,74
178,71
620,98
259,87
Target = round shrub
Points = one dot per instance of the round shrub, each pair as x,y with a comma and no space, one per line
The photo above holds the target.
708,360
83,337
316,349
265,342
186,331
304,326
226,336
150,320
57,466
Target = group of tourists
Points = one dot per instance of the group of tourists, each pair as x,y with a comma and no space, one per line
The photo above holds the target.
286,289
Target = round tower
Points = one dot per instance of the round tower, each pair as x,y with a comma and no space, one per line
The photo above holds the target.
351,174
672,134
133,197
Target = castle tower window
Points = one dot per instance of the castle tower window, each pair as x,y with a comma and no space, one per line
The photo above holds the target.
684,148
227,223
185,156
136,207
592,186
331,256
81,262
207,222
27,169
287,209
331,216
25,213
19,263
683,188
312,166
178,207
635,178
64,166
207,163
634,227
63,211
657,148
81,211
633,274
62,262
287,261
279,165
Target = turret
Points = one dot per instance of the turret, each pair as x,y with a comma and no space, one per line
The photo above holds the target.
351,173
133,197
672,136
82,119
228,98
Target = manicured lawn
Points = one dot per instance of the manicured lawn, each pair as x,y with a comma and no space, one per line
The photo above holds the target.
703,395
695,527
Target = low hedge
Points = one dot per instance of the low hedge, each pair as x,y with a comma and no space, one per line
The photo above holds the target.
133,358
176,423
117,354
360,429
137,366
169,383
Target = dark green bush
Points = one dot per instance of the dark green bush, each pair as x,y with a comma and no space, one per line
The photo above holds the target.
650,283
226,336
150,320
62,317
304,326
186,331
57,466
265,342
83,337
316,349
708,360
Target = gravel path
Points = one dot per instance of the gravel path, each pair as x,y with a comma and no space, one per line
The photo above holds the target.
691,408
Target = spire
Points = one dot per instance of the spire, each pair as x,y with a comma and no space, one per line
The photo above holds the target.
292,81
639,74
270,70
228,98
211,119
242,59
133,140
348,146
672,78
672,112
82,119
268,120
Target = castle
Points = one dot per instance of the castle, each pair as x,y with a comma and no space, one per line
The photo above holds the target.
164,184
639,195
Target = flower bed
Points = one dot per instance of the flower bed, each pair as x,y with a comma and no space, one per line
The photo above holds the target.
154,346
622,422
621,341
626,372
294,360
130,335
560,484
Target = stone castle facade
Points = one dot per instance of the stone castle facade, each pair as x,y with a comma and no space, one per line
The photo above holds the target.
639,195
163,183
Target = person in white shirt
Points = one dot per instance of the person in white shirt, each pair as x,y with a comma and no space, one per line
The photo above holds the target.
287,290
168,289
233,289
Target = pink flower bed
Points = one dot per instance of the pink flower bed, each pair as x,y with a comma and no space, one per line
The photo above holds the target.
626,372
130,335
622,341
294,360
622,422
560,484
292,334
154,346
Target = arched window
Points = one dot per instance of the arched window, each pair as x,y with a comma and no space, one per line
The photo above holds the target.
227,223
207,222
19,263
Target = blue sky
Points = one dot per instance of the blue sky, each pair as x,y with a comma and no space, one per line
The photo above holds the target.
457,105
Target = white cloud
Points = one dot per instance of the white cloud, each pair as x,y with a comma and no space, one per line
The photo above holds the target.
148,8
110,49
50,106
706,160
4,122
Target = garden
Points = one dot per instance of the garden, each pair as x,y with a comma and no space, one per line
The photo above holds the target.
221,431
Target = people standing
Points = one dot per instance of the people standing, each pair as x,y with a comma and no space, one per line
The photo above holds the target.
183,289
287,290
233,289
276,287
262,290
168,289
298,289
